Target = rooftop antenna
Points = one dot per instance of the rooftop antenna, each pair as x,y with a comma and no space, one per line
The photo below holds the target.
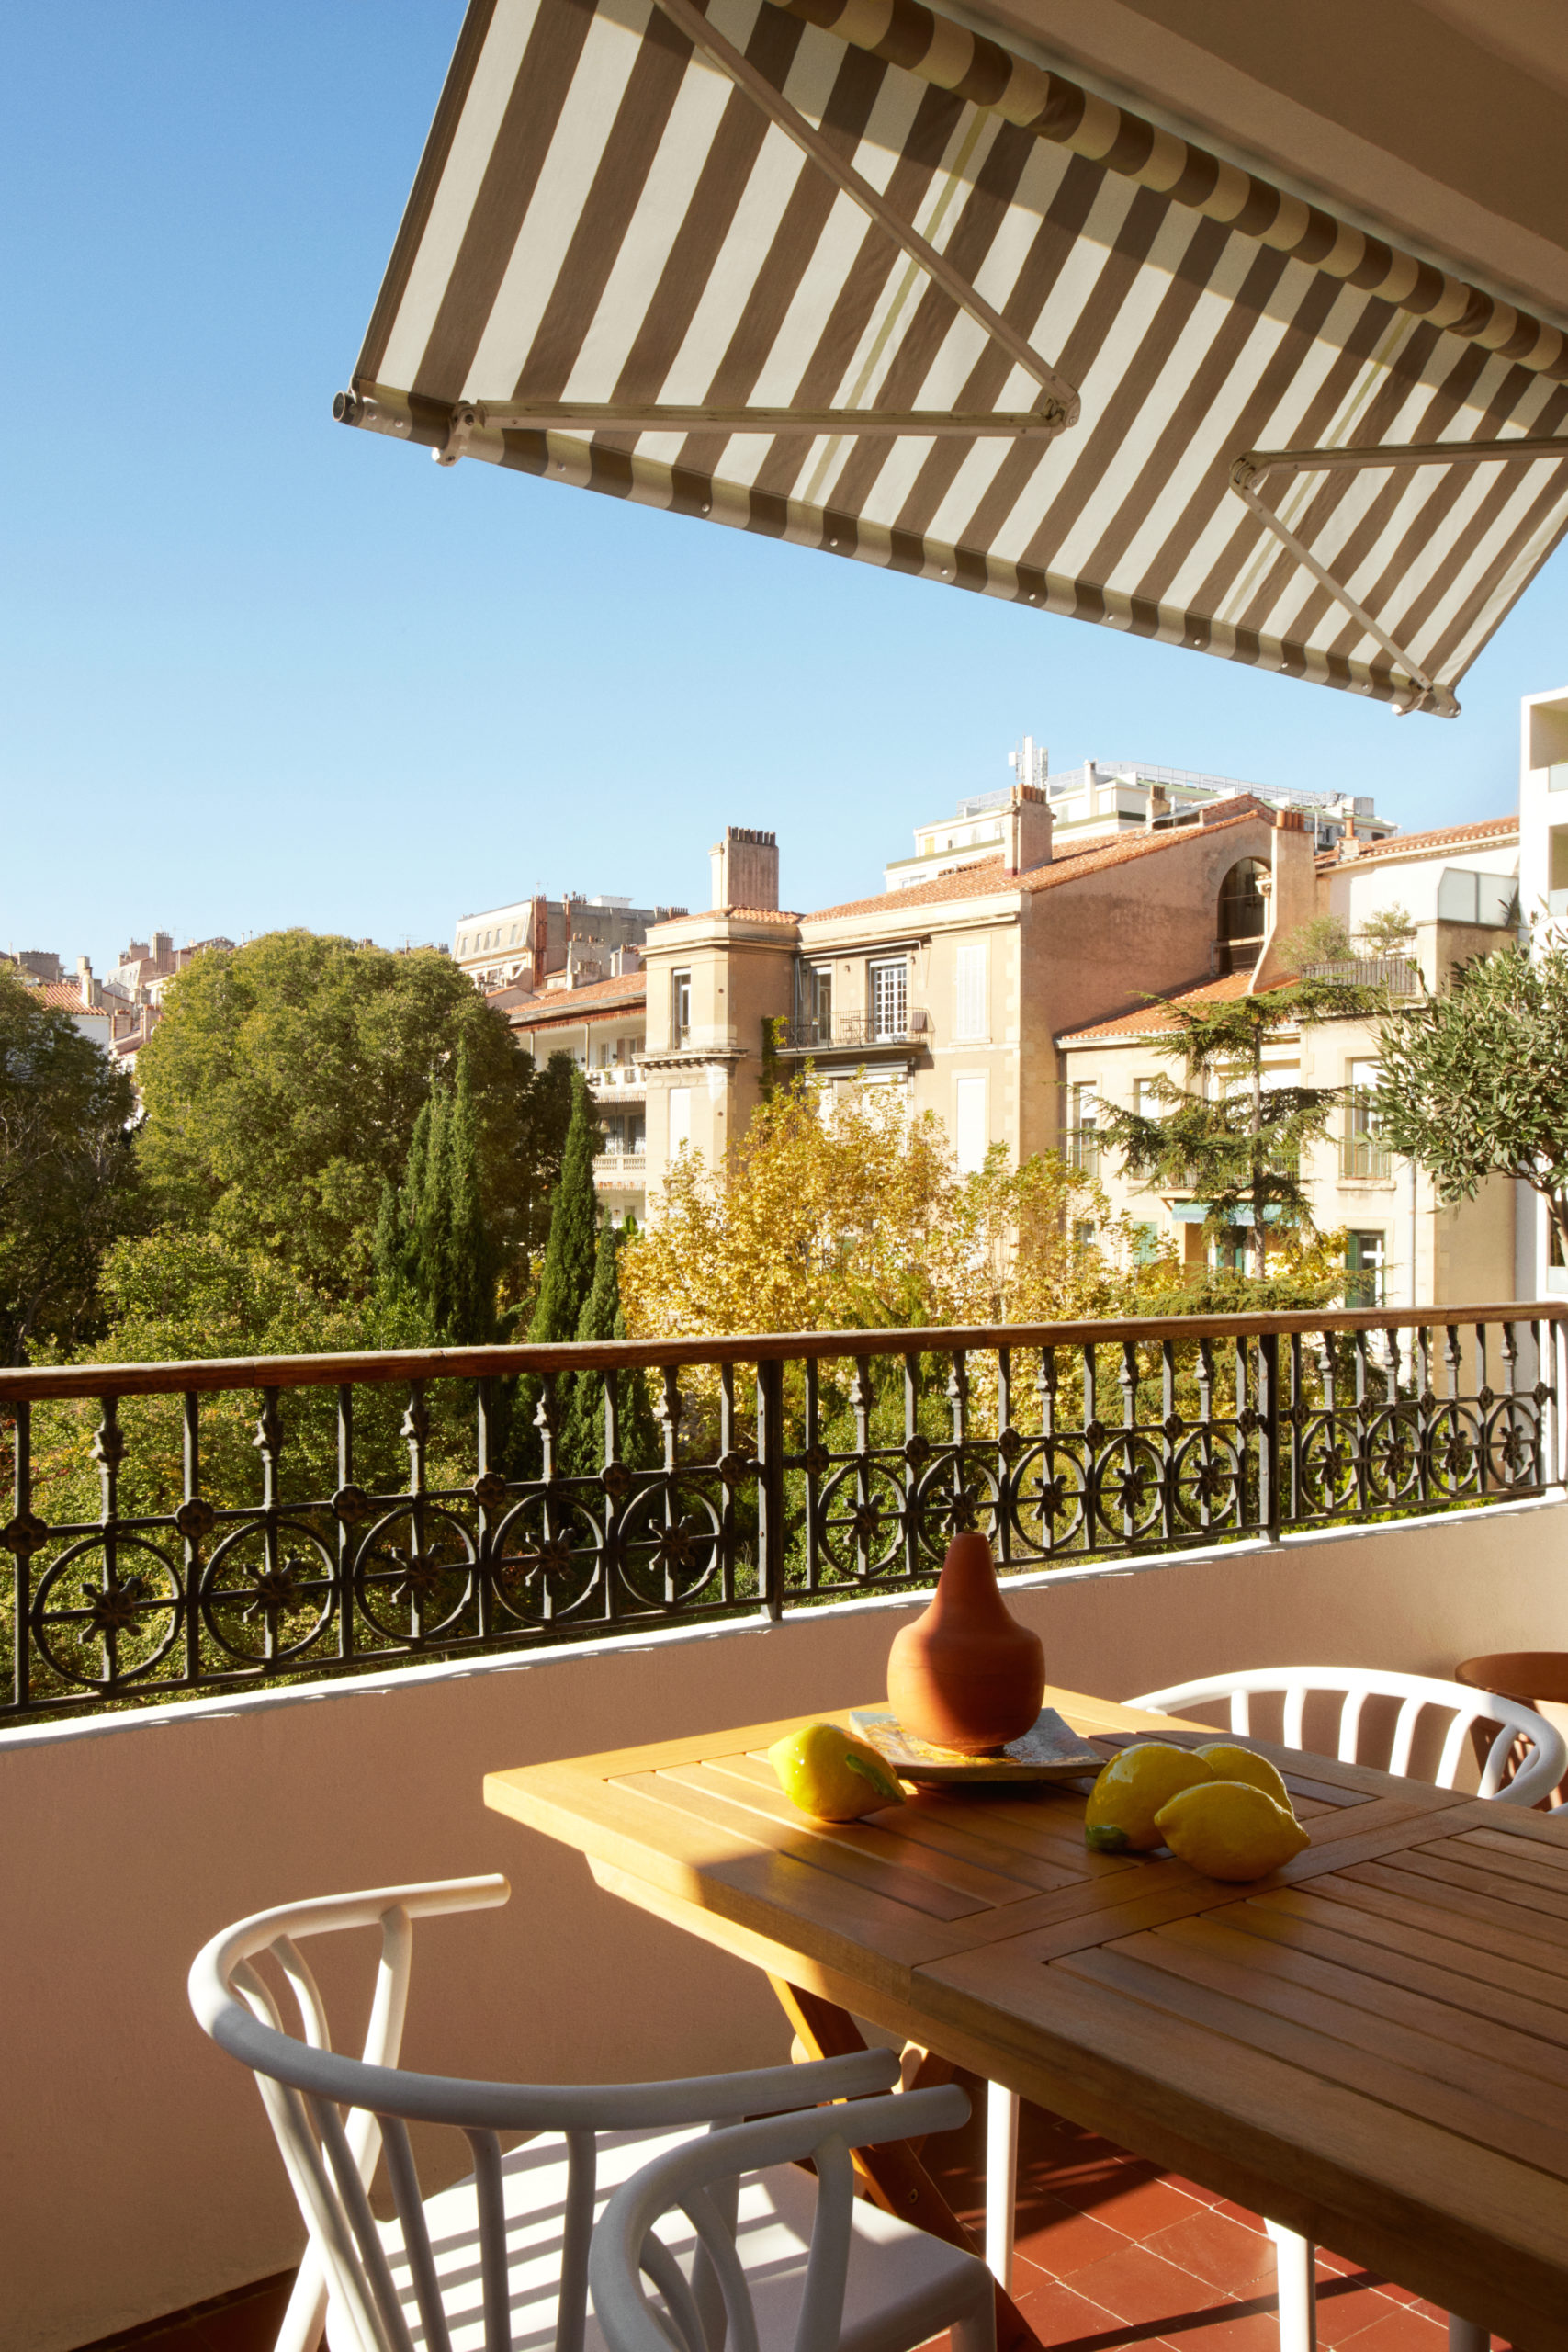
1031,763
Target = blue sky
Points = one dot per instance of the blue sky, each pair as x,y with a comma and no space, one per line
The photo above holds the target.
260,670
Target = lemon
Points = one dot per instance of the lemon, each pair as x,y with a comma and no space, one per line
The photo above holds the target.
831,1776
1119,1815
1231,1763
1230,1829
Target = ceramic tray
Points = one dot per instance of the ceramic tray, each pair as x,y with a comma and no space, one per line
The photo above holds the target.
1049,1750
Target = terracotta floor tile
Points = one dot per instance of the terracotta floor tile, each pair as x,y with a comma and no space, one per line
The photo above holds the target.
1249,2330
1060,2238
1347,2306
1066,2321
1138,2285
1195,2190
1133,2198
1212,2246
1403,2330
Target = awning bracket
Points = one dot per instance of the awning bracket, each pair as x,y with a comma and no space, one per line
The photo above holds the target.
690,20
1256,465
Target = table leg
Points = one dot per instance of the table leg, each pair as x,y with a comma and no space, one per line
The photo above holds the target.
897,2180
1464,2335
1296,2264
1002,2180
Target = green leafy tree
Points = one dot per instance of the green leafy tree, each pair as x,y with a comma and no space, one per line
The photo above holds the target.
1323,940
1474,1083
1388,932
284,1084
1228,1137
67,1179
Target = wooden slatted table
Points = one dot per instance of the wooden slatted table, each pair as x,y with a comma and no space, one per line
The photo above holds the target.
1371,2046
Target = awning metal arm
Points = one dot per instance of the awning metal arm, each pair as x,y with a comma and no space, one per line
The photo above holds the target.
1255,466
942,272
880,425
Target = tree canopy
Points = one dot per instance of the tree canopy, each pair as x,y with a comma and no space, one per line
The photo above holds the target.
1236,1142
66,1174
284,1084
1474,1083
843,1213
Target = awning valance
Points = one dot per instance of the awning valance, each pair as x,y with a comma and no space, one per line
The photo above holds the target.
873,285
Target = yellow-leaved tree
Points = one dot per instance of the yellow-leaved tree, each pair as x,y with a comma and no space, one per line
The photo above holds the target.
839,1211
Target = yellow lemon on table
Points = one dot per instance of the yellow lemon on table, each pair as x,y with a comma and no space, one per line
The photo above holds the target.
1119,1815
831,1776
1231,1830
1228,1762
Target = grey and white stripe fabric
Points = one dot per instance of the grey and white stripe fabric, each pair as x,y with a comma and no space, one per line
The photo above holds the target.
601,216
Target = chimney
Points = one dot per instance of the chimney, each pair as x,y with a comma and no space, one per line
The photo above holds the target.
539,939
1026,836
92,992
163,951
746,869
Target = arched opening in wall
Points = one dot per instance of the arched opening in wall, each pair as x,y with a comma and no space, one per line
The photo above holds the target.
1243,916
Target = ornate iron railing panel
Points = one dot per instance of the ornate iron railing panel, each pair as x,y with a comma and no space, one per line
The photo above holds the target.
208,1526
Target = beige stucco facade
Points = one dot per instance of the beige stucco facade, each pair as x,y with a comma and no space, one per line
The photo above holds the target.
954,991
1405,1246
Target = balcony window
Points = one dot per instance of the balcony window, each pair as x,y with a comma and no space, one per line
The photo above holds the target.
889,1002
680,1009
817,1005
1363,1157
969,1022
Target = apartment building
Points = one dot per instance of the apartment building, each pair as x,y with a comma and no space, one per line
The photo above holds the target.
953,989
1459,888
575,940
601,1025
1103,799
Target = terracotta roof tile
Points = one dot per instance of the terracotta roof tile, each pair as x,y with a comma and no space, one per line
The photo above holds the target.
1490,828
987,875
551,1005
66,997
1149,1020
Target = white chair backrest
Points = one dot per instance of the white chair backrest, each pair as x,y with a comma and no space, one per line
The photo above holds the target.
333,2115
626,2250
1536,1777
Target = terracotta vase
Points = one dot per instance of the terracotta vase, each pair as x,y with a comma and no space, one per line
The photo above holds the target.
966,1675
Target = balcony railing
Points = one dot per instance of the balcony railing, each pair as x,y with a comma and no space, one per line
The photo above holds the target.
1363,1160
620,1168
1081,1149
617,1078
1394,975
214,1525
848,1030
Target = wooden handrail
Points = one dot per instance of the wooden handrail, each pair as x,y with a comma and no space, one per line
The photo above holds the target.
44,1382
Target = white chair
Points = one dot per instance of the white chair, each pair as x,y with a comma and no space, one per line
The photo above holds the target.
497,2263
1535,1779
782,2256
1536,1776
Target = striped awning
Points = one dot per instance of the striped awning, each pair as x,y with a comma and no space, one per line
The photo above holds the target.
873,285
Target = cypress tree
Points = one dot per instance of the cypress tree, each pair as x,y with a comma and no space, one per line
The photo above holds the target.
581,1449
570,1252
431,1244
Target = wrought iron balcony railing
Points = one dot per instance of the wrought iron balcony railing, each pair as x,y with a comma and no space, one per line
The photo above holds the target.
851,1029
1080,1149
214,1525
